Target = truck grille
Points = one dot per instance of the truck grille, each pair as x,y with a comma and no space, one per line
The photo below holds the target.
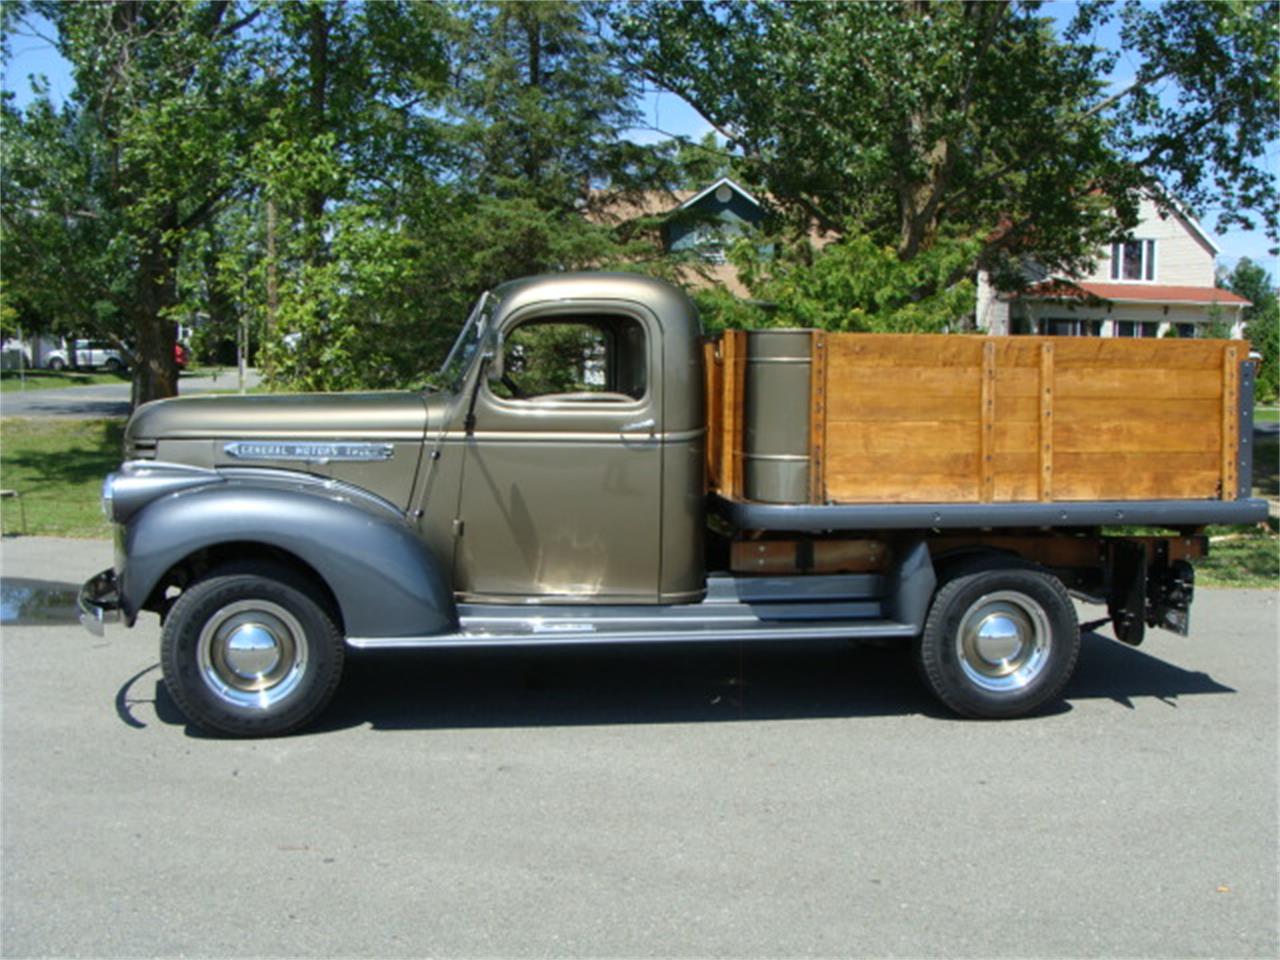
138,449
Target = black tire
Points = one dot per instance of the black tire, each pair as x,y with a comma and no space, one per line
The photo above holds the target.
57,364
251,650
113,365
999,642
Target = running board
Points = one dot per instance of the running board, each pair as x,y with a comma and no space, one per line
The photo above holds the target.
866,606
554,631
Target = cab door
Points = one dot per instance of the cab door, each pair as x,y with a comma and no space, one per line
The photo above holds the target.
561,493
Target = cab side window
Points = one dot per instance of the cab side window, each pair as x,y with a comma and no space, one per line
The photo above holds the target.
599,359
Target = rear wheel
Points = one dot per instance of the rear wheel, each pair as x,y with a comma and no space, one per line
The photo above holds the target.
113,365
252,650
999,642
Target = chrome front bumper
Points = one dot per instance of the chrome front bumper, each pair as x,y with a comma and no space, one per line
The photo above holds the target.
99,602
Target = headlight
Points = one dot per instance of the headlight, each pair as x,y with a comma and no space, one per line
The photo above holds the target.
109,497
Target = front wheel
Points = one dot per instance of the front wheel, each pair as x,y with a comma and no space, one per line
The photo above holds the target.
252,650
57,364
999,642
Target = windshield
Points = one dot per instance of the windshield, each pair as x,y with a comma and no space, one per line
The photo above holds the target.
464,348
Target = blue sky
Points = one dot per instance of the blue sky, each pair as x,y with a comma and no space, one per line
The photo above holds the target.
666,112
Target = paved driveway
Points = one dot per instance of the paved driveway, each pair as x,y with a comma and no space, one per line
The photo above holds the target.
108,400
709,801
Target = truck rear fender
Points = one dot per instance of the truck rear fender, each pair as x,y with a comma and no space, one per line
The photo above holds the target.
911,586
383,578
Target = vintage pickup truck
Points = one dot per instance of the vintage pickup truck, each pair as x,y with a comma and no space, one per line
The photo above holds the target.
590,469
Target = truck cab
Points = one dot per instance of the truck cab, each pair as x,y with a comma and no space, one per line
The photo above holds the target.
574,448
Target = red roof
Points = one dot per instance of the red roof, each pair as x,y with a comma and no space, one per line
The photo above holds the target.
1136,293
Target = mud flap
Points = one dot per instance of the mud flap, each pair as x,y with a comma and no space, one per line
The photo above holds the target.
1127,602
1171,597
1149,591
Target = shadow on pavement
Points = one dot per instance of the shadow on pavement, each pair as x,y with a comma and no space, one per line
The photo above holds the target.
692,684
454,689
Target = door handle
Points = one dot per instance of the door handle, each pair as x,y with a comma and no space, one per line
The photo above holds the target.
647,424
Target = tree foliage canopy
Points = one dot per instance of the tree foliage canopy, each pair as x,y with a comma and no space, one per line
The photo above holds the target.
1262,321
912,125
343,178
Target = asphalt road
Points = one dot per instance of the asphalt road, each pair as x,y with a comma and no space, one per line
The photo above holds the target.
721,801
107,400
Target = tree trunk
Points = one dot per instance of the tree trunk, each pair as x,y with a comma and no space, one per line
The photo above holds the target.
273,290
155,370
318,32
919,201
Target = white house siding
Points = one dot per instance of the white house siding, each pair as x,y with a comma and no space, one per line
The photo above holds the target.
1183,258
992,311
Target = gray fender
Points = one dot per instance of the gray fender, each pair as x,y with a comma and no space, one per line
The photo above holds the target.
387,583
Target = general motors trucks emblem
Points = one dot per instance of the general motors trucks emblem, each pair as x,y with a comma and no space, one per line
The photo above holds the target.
309,452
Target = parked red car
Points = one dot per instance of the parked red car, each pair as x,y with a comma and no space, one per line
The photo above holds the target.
181,356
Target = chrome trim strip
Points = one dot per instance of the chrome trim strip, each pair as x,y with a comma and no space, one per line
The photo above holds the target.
797,631
326,435
782,457
539,436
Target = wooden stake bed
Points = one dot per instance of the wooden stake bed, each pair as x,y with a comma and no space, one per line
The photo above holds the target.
933,419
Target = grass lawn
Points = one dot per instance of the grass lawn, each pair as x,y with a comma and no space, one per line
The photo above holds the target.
10,382
57,467
1240,557
1266,414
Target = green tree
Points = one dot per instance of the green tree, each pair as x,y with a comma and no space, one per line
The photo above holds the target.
538,111
1262,320
338,178
143,154
418,154
57,237
971,125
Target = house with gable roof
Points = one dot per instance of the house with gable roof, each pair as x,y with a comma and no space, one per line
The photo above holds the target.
1159,281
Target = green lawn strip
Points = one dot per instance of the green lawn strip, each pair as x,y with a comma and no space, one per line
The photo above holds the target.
1240,557
11,382
1266,414
57,468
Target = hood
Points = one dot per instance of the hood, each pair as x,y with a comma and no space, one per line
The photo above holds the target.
387,415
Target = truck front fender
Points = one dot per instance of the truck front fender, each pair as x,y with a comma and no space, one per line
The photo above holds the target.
385,580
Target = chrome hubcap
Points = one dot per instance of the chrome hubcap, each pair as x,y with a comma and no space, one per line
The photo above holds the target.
1004,640
252,653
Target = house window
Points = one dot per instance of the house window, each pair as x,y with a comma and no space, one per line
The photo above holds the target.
1075,328
1136,328
1133,260
1186,330
708,240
